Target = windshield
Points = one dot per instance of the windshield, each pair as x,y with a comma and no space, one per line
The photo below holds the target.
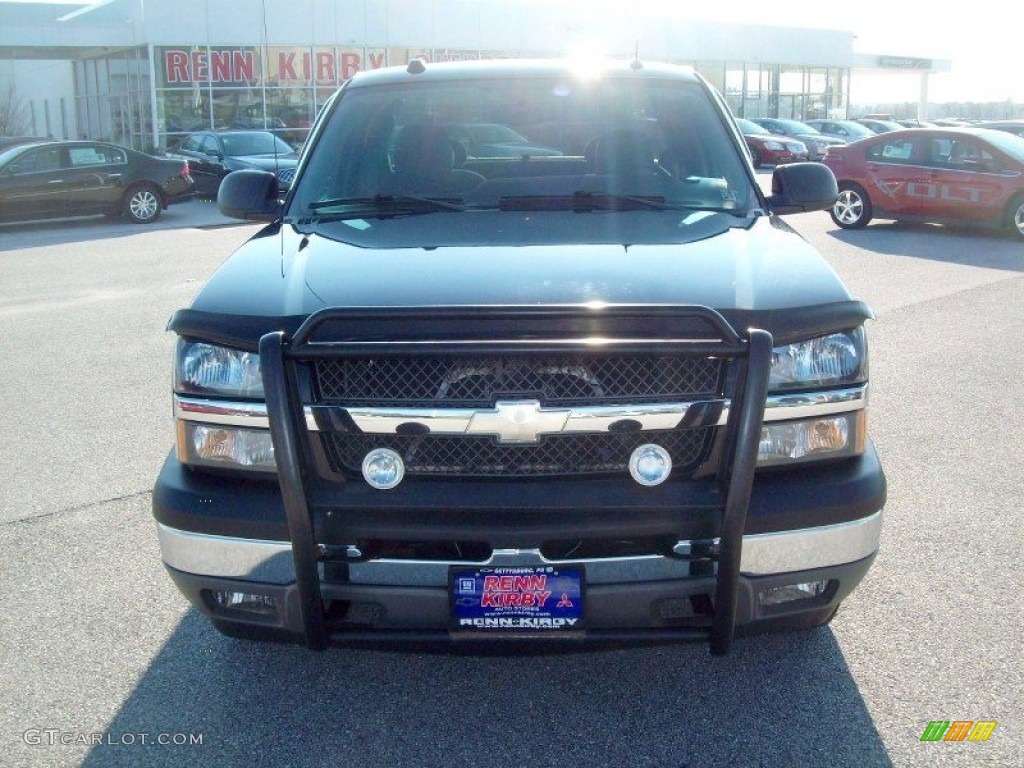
750,128
856,129
257,143
600,145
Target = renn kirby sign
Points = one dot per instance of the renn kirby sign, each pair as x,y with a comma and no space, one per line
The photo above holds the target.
297,66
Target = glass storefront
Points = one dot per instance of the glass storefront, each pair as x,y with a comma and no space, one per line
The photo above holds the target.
798,93
113,98
280,88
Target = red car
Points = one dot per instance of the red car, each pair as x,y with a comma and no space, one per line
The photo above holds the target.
949,175
768,149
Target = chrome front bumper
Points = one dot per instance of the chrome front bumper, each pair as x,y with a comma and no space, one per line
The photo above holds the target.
763,554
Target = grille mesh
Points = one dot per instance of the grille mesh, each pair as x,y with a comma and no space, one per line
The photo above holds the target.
285,177
483,457
479,381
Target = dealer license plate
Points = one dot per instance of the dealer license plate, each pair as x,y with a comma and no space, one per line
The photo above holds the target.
517,599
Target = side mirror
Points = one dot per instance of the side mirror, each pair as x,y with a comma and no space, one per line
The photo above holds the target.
250,195
802,187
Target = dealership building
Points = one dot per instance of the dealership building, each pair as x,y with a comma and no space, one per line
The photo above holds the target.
143,73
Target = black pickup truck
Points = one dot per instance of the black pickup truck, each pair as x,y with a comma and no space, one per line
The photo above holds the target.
590,389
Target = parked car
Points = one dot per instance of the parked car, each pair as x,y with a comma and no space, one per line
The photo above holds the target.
298,120
212,155
1016,127
949,175
80,178
815,141
913,122
879,126
482,140
768,149
847,130
607,394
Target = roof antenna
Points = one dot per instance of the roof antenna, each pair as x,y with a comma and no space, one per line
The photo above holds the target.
635,63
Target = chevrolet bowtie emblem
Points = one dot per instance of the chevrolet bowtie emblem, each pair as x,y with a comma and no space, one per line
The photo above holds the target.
518,421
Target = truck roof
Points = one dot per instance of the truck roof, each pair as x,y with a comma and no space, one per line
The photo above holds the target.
520,68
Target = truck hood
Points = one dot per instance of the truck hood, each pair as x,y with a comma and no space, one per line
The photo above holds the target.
732,265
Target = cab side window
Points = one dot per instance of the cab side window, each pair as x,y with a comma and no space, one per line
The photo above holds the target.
893,151
38,161
960,154
968,155
97,155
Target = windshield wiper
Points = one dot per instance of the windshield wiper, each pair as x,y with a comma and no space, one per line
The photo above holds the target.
585,202
382,205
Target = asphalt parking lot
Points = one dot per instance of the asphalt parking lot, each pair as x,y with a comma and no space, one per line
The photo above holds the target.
102,660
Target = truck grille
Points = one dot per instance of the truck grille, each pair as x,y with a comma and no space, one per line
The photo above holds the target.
285,176
554,455
480,381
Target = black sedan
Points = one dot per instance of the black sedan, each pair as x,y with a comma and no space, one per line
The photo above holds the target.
212,155
487,140
53,179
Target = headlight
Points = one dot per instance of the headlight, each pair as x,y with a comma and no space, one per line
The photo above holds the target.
772,145
207,369
833,360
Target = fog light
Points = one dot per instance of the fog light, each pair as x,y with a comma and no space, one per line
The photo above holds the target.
650,464
787,593
263,605
383,468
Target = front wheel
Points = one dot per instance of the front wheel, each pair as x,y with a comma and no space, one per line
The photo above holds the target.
852,209
142,204
1015,216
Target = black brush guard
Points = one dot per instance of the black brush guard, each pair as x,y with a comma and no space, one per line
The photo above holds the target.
278,353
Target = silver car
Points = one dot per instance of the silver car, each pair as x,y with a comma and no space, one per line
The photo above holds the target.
847,130
815,142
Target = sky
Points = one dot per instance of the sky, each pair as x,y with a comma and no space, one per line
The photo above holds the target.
981,38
